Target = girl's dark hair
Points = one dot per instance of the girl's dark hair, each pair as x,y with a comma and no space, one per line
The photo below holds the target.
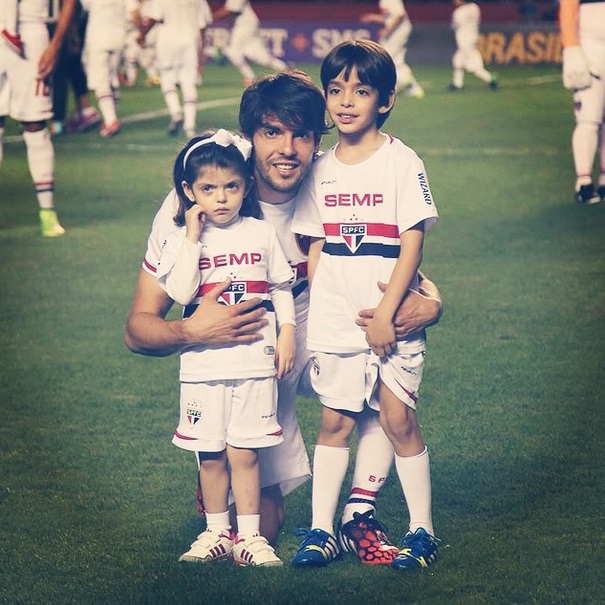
214,155
374,65
289,96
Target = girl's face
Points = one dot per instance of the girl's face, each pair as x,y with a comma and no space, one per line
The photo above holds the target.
219,191
353,106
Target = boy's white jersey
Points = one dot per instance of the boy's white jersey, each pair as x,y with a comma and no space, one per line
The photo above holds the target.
360,210
248,253
466,20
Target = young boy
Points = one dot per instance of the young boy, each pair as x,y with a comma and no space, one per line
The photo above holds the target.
366,207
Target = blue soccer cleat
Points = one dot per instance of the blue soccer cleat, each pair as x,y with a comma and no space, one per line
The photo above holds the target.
317,549
418,550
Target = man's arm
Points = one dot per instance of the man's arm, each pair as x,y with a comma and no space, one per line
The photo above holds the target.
149,333
48,60
418,310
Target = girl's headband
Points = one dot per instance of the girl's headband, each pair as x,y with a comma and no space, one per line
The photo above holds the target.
223,138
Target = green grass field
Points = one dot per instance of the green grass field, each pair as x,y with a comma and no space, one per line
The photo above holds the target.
96,504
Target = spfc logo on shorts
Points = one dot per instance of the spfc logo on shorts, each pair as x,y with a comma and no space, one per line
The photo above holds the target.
193,415
234,293
353,235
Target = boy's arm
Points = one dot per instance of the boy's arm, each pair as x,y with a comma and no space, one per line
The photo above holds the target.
380,332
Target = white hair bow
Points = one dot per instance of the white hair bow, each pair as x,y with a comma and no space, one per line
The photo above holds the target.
224,138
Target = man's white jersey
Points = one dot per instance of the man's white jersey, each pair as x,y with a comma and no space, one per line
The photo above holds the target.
392,9
248,253
295,248
246,14
466,20
107,23
181,20
360,210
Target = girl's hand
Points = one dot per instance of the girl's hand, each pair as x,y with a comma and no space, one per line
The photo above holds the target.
285,350
194,223
380,335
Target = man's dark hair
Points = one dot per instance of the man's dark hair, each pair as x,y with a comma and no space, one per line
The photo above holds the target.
290,97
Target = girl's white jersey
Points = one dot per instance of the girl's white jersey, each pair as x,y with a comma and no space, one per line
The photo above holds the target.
466,20
360,210
248,253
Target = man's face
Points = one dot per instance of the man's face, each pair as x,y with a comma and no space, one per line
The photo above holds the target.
282,159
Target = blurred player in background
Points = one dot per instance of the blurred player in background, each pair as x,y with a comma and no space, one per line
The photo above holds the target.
245,42
103,50
394,36
582,25
466,20
25,95
180,26
70,72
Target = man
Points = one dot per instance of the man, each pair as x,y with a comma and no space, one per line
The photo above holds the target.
466,19
245,42
394,35
284,116
25,96
582,25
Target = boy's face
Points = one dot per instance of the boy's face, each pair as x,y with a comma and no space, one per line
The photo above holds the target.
282,159
354,107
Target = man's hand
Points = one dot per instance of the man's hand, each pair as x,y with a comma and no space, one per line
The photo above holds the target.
213,323
576,70
419,309
148,333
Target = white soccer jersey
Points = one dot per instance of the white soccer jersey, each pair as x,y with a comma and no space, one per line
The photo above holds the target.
248,252
107,23
465,23
360,210
392,9
181,20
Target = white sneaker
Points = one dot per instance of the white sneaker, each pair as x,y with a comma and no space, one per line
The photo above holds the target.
209,546
256,551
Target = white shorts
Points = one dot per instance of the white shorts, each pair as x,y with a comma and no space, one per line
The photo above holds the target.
348,382
25,97
241,413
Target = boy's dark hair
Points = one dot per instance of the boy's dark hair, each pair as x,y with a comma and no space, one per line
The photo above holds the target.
374,65
214,155
289,96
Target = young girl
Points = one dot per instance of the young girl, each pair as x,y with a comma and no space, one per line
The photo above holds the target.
366,208
228,395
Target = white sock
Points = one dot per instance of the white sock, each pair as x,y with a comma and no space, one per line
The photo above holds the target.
248,525
330,465
372,465
107,107
218,522
415,478
171,98
41,161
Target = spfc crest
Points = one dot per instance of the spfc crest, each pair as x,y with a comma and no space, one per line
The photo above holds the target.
234,293
353,235
193,415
